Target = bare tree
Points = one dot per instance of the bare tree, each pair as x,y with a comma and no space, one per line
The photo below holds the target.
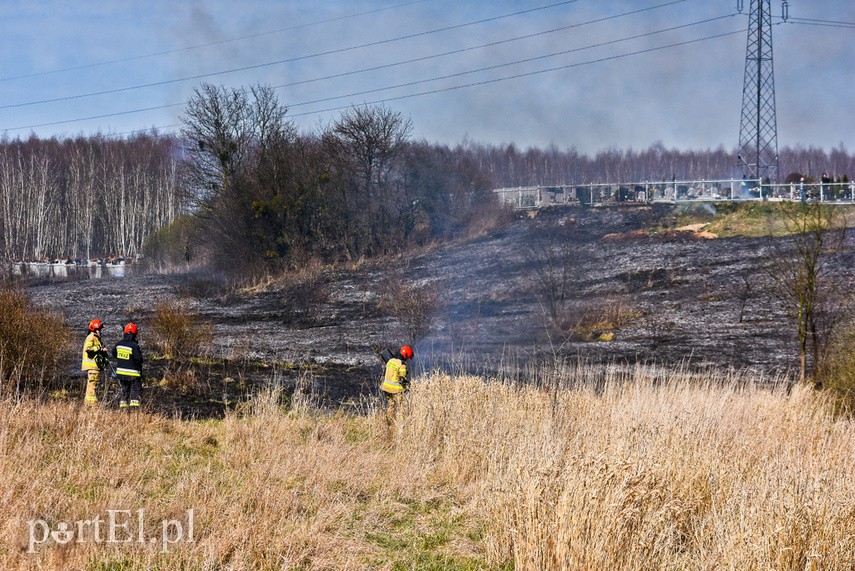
371,137
11,197
804,280
82,180
552,263
85,197
223,128
364,145
234,141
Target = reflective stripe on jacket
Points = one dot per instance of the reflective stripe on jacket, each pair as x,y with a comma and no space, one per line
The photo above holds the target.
91,345
128,372
128,356
396,371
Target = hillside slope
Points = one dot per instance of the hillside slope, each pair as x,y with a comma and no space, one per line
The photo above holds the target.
594,284
665,297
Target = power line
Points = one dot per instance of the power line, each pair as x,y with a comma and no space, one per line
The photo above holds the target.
103,116
791,20
517,62
452,52
287,60
217,43
429,92
472,48
527,74
826,23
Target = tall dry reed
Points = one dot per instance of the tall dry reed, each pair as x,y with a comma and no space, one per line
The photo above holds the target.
660,472
652,470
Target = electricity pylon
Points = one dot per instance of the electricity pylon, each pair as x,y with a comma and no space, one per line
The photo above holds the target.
758,130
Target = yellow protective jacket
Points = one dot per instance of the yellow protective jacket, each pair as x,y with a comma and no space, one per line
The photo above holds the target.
91,346
396,372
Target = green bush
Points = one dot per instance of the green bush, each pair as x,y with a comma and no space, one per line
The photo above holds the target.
32,341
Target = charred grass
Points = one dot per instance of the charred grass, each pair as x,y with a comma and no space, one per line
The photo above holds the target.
655,469
567,468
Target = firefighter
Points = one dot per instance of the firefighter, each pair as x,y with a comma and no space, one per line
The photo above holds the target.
129,362
395,381
94,360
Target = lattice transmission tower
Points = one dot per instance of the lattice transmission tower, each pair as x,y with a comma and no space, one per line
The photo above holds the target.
758,130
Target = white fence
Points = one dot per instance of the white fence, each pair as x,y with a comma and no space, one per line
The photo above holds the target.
62,270
530,197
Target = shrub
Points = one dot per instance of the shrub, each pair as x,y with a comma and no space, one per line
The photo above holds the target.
414,306
204,285
838,377
177,331
302,290
594,319
32,341
183,382
305,289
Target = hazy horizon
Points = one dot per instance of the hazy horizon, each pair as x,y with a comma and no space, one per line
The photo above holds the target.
559,74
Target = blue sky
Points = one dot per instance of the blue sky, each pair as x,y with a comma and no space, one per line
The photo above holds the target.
79,68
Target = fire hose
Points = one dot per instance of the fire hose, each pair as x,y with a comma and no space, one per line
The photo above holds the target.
104,364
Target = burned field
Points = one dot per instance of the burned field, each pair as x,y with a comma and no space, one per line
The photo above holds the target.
591,284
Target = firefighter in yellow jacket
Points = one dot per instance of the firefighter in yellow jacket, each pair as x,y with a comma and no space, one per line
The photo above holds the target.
94,359
395,381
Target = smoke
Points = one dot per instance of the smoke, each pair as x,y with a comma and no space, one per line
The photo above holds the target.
708,207
496,295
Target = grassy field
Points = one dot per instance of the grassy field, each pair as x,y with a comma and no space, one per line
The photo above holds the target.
750,218
659,470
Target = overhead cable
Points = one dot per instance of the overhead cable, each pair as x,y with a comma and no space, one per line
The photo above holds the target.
429,92
287,60
472,48
527,74
512,63
209,44
826,23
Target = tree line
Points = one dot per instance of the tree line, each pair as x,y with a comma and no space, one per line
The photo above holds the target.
510,166
241,189
266,197
85,198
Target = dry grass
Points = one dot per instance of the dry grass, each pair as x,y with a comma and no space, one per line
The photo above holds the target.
838,377
594,320
660,472
750,218
177,331
650,476
413,305
32,339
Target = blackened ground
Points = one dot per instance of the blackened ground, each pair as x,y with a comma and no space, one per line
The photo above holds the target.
506,299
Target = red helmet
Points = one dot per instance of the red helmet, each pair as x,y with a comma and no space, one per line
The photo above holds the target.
131,328
95,325
406,352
